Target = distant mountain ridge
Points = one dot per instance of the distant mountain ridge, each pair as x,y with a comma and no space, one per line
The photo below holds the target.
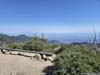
19,38
53,37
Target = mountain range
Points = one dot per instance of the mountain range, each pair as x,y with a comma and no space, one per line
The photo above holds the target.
57,37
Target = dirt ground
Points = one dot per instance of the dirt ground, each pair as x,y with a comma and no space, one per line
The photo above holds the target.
19,65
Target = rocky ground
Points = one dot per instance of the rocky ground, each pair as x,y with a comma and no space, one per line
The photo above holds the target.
20,65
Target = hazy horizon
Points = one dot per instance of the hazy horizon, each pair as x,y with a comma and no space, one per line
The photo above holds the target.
63,37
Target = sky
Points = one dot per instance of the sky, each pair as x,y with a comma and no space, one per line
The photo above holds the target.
49,16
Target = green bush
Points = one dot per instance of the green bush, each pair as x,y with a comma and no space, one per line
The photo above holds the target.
16,45
35,43
74,61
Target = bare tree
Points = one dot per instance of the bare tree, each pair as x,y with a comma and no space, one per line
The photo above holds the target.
95,45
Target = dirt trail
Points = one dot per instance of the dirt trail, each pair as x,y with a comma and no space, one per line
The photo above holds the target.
19,65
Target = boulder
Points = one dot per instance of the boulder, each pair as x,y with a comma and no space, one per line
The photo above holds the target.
14,53
49,58
43,56
27,54
58,50
4,51
37,56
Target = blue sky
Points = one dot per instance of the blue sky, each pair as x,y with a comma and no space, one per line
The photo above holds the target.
49,16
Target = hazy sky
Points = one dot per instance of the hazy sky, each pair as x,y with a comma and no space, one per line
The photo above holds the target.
49,16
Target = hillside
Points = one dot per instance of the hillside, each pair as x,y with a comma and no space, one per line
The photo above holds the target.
8,39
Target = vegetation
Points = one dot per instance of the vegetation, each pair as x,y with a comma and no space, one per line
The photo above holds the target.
20,38
5,39
75,61
16,45
36,44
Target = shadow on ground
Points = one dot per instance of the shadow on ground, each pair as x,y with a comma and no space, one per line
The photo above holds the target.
49,70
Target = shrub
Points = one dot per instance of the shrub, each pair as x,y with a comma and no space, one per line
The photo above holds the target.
34,44
16,45
74,61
